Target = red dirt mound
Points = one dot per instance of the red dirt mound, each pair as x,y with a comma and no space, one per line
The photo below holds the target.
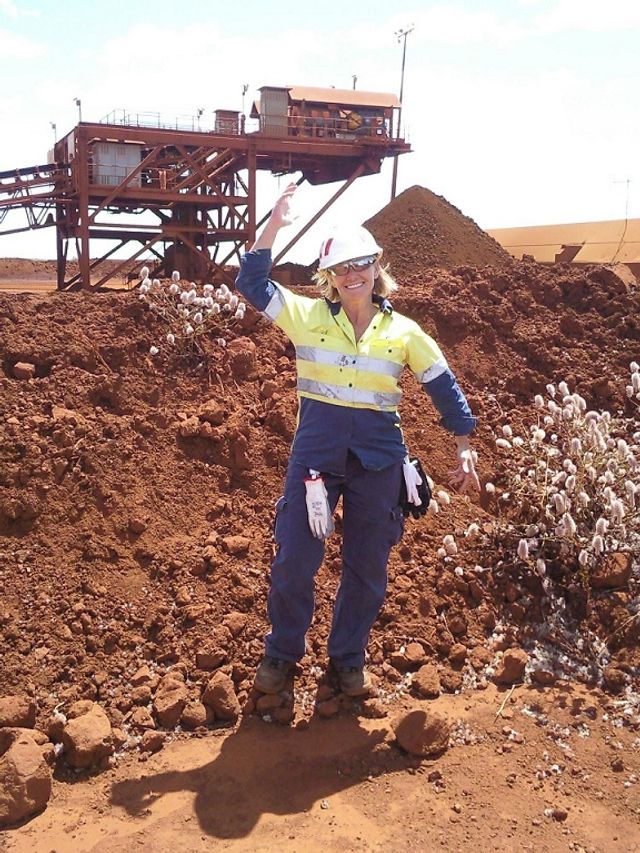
420,229
129,536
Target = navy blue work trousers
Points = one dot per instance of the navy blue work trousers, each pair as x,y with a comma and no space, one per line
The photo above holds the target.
372,524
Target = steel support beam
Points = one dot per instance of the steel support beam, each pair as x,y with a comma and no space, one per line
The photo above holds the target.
200,187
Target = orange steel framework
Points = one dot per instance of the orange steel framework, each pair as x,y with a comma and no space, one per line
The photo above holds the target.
193,193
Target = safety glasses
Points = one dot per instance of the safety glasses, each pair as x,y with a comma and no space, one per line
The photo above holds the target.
358,264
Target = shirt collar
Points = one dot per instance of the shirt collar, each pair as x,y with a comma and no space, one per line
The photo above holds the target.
381,301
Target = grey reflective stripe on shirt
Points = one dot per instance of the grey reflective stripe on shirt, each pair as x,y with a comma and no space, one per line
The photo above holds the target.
275,306
357,362
349,395
432,372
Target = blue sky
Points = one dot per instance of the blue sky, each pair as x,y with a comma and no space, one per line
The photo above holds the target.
519,113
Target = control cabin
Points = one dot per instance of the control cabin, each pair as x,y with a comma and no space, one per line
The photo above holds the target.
318,113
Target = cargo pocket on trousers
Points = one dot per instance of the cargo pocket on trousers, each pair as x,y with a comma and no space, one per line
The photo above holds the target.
278,520
396,525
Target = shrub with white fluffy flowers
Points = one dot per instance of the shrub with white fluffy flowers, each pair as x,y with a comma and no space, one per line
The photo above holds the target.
578,482
192,313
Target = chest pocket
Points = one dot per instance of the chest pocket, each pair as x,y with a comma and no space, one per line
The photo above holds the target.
388,350
320,336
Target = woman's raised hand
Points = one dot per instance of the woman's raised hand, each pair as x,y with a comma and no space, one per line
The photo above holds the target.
282,215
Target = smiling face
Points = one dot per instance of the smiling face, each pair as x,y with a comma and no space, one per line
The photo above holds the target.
355,286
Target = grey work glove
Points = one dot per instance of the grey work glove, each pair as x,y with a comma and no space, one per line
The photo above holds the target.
318,510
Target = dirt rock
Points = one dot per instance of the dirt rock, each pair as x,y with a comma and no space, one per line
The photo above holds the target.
613,571
267,703
450,680
374,709
284,714
543,677
24,370
480,657
152,741
141,695
77,709
119,738
212,411
615,679
235,622
194,715
410,657
422,733
458,654
17,711
87,738
141,719
220,696
426,682
169,703
512,666
141,676
236,545
138,524
25,777
55,726
35,734
210,659
242,356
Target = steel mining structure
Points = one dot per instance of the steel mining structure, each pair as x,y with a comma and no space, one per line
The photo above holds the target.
188,196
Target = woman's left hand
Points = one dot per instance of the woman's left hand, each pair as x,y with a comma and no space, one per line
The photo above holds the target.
464,477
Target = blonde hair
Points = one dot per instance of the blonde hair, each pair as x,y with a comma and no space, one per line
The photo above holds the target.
384,284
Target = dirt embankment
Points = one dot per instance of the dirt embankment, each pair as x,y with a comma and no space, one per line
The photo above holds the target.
129,539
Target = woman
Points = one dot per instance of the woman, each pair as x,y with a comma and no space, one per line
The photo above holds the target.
350,350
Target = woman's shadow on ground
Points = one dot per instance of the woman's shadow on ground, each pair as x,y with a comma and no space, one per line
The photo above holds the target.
267,769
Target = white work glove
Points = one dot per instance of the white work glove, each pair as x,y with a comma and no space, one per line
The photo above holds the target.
318,510
412,480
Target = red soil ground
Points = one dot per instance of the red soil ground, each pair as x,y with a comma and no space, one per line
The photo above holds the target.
124,543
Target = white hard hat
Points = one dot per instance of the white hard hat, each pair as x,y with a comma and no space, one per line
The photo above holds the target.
346,243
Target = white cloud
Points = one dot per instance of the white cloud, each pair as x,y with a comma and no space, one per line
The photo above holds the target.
13,46
155,67
13,10
590,15
439,24
9,8
451,25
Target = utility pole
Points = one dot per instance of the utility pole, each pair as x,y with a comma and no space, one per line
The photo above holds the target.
626,181
245,89
78,104
354,77
401,35
54,128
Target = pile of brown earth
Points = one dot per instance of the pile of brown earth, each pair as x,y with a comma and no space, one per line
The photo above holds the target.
420,229
137,492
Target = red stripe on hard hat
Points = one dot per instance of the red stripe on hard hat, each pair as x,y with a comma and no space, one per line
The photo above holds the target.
327,246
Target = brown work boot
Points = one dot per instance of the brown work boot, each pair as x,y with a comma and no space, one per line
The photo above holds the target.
272,674
353,680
